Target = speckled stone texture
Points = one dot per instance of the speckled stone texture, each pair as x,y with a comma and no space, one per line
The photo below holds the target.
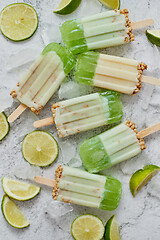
139,217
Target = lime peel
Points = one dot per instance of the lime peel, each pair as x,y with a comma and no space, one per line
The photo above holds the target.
13,214
141,177
4,126
154,36
67,6
112,231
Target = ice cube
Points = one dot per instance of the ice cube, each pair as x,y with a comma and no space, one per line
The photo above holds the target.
22,57
75,162
68,149
90,7
72,89
26,172
57,209
50,33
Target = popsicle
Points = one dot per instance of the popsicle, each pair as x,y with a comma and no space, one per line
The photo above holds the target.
42,79
75,186
117,73
84,113
114,146
102,30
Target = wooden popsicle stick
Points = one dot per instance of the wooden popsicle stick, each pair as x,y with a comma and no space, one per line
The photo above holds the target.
143,23
17,113
149,130
151,80
43,122
45,181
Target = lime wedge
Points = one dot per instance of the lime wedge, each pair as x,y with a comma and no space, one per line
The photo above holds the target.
4,126
39,148
114,4
154,36
18,21
67,6
141,177
87,227
13,214
112,231
19,190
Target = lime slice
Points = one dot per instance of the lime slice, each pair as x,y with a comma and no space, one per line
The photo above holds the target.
18,21
40,148
114,4
87,227
19,190
13,214
141,177
67,6
112,231
154,36
4,126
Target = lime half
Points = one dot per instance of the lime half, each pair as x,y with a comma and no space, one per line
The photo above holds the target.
67,6
13,214
87,227
18,21
4,126
154,36
39,148
113,4
141,177
112,231
19,190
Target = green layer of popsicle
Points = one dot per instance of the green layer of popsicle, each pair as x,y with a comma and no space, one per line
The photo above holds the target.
112,194
85,75
65,55
73,36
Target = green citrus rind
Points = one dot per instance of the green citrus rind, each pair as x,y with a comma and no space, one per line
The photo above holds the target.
109,231
85,216
9,193
68,8
110,4
154,36
3,205
38,164
141,177
22,38
4,118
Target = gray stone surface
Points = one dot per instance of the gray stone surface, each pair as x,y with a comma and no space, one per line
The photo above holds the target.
139,217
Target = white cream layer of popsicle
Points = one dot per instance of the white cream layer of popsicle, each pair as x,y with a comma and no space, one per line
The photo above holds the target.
41,81
120,143
81,114
105,29
80,187
116,73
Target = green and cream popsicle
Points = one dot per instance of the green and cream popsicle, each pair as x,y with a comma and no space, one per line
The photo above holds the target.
76,186
84,113
102,30
44,77
111,147
116,73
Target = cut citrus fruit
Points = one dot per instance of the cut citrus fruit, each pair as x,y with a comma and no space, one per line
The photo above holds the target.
114,4
4,126
141,177
13,214
154,36
19,190
18,21
112,231
87,227
67,6
39,148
